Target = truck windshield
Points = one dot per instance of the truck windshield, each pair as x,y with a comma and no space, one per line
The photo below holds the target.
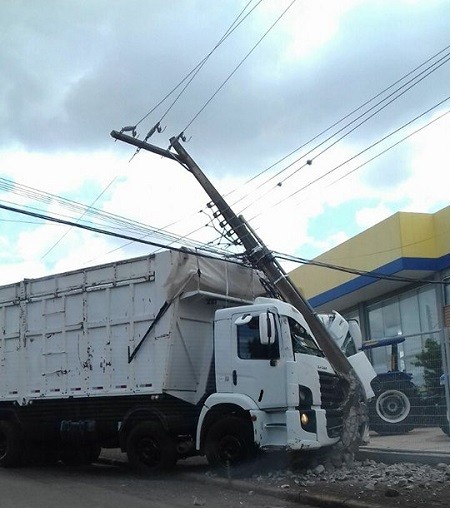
301,340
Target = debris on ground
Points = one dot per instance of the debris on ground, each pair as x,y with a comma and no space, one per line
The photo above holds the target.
395,485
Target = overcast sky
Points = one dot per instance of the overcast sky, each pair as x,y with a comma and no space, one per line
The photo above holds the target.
74,70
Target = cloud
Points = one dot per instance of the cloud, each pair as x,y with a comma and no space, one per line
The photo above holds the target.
368,217
81,71
74,71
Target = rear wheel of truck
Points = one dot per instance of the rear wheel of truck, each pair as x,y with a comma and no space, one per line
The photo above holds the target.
150,449
230,443
392,410
10,445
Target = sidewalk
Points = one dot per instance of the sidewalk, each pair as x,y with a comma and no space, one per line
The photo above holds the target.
425,445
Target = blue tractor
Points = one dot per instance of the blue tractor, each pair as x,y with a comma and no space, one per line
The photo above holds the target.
396,407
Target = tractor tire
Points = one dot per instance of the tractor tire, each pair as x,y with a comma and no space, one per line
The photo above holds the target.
393,408
150,449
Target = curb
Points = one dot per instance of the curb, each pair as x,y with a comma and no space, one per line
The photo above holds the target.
323,500
396,456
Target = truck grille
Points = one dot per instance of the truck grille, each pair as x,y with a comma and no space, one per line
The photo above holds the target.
332,397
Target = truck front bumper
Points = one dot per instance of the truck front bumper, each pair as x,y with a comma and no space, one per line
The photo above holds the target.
291,429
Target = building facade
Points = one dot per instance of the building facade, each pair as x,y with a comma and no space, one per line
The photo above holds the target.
400,289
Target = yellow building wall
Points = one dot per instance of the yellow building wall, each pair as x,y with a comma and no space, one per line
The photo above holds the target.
404,234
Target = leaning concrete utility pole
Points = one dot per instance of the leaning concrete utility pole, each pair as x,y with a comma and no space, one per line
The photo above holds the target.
262,259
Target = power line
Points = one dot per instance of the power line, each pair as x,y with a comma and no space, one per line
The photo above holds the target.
81,216
236,69
278,255
310,161
418,75
336,123
353,157
236,23
345,117
228,32
389,148
106,232
354,271
116,221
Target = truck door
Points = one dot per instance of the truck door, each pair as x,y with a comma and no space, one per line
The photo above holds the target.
257,369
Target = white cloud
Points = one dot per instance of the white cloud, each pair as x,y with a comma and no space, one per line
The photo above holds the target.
368,217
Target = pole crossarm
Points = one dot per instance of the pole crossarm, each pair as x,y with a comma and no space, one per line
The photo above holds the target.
144,145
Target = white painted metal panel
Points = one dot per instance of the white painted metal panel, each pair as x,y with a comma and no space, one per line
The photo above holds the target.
71,334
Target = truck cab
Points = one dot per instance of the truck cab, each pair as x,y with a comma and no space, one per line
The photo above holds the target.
269,366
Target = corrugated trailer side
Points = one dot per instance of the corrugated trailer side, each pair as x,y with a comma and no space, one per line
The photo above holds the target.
70,335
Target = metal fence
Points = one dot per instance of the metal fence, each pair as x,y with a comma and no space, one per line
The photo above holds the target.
412,389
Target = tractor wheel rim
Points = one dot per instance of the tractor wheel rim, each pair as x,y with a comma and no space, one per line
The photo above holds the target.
393,406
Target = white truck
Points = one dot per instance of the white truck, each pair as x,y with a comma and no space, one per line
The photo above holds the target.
165,356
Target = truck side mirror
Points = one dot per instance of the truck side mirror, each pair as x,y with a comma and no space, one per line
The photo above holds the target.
267,328
356,334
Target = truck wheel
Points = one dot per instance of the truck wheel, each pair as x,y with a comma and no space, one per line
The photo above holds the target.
392,409
150,449
230,443
10,446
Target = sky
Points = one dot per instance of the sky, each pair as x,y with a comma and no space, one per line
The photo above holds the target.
316,119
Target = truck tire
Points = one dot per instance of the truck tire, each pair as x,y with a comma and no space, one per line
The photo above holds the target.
10,445
392,409
150,449
230,443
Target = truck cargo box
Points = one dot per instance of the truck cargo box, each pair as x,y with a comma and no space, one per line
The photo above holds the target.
139,326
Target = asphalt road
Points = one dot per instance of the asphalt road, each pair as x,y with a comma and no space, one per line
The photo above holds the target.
101,486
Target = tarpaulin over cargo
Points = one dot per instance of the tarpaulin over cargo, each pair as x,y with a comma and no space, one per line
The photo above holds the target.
190,273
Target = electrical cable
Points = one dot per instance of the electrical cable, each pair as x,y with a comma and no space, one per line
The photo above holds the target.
228,32
115,221
81,216
210,256
92,229
310,161
235,70
354,271
335,124
343,118
196,69
354,157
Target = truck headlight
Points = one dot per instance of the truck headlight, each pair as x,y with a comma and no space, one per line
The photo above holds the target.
308,420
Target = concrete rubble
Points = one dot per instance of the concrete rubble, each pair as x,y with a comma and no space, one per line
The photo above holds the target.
367,474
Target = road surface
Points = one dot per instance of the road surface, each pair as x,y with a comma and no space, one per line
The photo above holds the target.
100,486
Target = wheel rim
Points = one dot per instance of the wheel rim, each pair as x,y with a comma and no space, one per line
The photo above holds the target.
230,450
393,406
149,452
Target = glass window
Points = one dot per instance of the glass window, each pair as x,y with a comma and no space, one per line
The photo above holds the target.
428,310
410,314
414,314
376,323
301,340
392,319
249,345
